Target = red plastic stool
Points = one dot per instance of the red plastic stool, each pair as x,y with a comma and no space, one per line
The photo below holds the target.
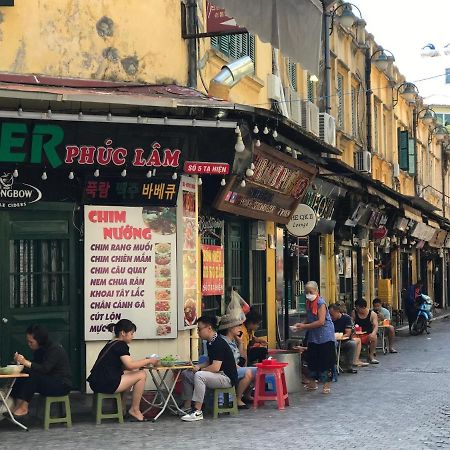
261,395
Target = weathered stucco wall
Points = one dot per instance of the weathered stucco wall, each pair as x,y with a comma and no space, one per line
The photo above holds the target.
101,39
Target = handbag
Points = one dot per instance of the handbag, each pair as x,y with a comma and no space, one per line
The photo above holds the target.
89,378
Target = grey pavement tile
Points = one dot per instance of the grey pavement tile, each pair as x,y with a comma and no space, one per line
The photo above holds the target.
400,404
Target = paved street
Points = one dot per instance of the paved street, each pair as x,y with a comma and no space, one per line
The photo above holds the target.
401,404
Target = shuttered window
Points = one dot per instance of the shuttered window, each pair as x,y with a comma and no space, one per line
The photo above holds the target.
292,73
40,272
235,45
311,91
354,112
411,156
376,128
340,100
403,144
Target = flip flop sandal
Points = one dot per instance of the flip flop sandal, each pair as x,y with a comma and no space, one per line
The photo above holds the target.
393,351
309,388
130,418
326,391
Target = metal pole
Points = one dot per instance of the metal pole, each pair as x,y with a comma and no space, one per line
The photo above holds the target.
368,64
327,81
192,43
287,281
416,163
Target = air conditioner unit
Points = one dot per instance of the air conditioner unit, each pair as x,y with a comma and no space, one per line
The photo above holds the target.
327,128
396,170
363,161
310,117
274,87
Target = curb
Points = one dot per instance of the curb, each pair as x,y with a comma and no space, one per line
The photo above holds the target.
443,316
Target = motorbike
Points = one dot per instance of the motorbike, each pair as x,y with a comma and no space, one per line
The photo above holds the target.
424,315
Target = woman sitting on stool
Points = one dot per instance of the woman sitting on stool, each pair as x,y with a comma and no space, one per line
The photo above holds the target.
49,372
108,376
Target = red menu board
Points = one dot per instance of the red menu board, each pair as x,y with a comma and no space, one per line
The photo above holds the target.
213,270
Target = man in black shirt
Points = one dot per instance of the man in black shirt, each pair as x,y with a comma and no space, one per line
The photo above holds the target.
351,348
219,371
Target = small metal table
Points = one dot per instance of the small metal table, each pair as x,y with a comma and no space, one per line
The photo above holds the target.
10,380
164,389
339,345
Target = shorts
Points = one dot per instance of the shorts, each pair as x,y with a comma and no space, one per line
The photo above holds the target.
241,371
365,340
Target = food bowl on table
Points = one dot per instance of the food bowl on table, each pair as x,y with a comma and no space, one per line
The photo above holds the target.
168,363
16,368
11,369
339,335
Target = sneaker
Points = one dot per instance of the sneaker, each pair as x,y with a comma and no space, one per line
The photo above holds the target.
193,416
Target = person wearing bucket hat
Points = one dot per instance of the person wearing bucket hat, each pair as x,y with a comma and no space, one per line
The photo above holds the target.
230,329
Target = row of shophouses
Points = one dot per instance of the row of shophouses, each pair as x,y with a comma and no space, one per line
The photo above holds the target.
116,121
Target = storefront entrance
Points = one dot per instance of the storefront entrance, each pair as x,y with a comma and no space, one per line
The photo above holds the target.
39,280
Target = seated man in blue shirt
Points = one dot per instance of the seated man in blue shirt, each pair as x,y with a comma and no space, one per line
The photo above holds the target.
351,348
383,314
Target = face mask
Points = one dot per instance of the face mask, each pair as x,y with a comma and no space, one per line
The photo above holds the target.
310,297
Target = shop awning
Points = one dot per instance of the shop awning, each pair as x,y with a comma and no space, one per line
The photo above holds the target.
293,26
385,198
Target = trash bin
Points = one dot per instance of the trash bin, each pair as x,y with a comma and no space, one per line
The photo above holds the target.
292,372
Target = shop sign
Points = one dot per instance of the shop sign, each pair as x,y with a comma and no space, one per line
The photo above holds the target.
358,215
206,168
438,239
302,221
187,219
322,205
447,241
218,22
379,233
213,270
14,194
130,270
401,224
110,191
89,144
272,193
423,232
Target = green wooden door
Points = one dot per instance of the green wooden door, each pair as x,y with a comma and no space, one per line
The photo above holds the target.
237,257
38,280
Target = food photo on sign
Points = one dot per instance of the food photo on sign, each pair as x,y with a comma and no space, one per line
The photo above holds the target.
187,220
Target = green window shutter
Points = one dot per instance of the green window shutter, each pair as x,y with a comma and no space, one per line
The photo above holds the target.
403,157
411,157
252,47
311,91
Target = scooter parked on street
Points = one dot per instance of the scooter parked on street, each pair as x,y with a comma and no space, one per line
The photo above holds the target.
424,315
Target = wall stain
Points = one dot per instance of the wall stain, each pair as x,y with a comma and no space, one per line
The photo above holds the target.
2,17
111,54
18,65
130,64
105,27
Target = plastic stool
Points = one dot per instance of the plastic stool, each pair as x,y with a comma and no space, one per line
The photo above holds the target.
48,419
261,395
99,416
227,399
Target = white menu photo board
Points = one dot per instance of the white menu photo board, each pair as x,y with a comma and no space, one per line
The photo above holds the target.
130,270
187,216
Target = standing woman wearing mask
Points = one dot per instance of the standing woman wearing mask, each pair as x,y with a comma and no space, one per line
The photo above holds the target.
321,339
